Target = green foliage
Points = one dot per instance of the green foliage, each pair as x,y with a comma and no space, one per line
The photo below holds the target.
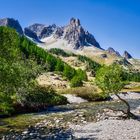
44,96
31,50
59,66
6,104
82,74
59,52
131,76
47,59
9,41
51,61
20,63
91,65
76,81
109,79
69,72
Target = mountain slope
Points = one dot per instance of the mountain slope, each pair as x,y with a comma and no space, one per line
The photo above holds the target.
71,38
10,22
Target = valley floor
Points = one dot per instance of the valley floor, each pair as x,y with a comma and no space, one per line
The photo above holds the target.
86,120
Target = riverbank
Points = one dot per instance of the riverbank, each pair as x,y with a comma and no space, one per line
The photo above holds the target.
61,122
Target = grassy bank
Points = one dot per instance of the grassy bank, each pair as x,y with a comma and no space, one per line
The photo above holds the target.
88,93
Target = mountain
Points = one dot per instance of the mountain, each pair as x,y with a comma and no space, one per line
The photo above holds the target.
127,55
10,22
71,38
74,38
73,33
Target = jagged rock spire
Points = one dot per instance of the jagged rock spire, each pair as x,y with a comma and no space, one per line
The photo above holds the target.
75,22
127,55
75,34
112,51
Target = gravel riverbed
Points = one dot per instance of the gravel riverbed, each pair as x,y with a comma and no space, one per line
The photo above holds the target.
108,130
92,121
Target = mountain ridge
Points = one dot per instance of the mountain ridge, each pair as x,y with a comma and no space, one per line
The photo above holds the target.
73,33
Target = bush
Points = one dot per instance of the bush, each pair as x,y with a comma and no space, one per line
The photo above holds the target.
6,104
69,72
76,81
44,96
82,74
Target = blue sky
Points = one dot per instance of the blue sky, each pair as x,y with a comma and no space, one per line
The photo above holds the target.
114,23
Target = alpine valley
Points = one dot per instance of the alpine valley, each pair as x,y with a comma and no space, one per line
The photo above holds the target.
55,78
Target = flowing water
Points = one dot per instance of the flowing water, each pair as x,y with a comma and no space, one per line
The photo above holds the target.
80,112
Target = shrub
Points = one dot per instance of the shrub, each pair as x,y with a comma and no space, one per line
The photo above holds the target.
82,74
109,79
69,72
6,104
44,96
76,81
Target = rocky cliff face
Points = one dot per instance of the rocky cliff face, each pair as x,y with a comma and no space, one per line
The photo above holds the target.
77,36
10,22
36,28
127,55
28,32
40,30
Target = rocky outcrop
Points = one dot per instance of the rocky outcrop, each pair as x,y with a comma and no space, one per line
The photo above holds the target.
30,34
123,62
36,28
77,36
58,32
103,55
40,30
12,23
47,31
127,55
110,50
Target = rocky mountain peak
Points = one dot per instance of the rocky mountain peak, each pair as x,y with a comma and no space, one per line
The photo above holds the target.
127,55
10,22
112,51
74,22
75,34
